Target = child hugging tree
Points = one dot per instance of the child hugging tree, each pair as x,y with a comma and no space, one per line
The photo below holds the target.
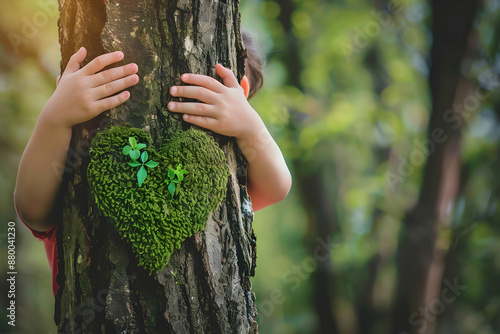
83,93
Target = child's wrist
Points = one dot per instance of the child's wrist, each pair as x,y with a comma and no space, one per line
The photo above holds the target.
49,121
49,117
253,141
254,127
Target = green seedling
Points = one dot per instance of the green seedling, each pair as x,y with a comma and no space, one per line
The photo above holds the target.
175,176
142,173
133,150
175,276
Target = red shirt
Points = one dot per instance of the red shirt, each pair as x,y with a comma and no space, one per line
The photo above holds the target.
49,241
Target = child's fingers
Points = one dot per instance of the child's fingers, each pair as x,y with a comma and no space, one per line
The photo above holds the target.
113,74
204,122
227,76
200,109
111,102
75,61
115,86
245,84
194,92
204,81
101,62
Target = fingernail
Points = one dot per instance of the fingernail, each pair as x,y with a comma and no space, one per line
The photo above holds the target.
184,77
171,106
173,90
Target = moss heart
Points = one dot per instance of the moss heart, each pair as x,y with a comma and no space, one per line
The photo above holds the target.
153,220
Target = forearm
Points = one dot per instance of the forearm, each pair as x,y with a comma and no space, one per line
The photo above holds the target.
40,171
269,179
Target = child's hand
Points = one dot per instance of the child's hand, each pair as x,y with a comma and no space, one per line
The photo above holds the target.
223,108
82,94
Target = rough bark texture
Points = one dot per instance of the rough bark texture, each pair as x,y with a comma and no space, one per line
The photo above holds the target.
420,258
206,286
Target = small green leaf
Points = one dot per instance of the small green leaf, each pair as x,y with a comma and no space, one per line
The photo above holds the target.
144,157
175,181
126,149
134,155
132,142
140,146
152,164
171,173
171,188
180,177
134,163
141,175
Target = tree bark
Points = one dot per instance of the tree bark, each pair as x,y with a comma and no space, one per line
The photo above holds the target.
206,286
420,258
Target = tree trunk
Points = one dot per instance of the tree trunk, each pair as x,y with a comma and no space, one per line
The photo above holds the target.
321,227
420,257
321,217
206,286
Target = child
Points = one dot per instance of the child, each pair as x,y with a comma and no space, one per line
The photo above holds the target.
82,93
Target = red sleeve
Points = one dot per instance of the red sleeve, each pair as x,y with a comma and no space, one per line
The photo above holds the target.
49,241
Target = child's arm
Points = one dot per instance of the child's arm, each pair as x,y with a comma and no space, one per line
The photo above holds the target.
80,95
225,110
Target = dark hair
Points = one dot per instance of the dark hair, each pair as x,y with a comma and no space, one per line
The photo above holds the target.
253,63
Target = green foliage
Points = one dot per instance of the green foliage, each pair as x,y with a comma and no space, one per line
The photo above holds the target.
133,150
175,176
148,217
358,98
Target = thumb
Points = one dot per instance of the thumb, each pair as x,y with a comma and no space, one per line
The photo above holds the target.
75,61
227,76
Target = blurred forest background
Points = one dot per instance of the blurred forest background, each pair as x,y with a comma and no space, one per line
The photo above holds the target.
387,113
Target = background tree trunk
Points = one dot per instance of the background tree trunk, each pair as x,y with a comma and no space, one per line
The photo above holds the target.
321,217
421,257
206,286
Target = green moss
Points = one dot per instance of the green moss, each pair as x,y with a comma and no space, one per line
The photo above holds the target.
154,222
